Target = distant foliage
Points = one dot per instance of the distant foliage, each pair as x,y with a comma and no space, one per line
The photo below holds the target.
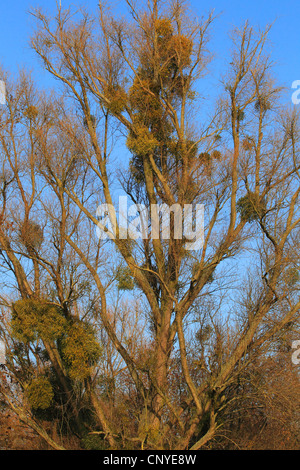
93,442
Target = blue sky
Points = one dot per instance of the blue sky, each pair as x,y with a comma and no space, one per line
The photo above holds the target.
16,26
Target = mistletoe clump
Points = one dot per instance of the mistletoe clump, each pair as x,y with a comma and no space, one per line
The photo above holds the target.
247,144
152,127
80,350
39,393
31,235
262,104
251,207
31,112
144,100
125,279
33,319
117,98
142,143
174,49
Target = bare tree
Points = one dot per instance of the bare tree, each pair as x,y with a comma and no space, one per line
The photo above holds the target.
135,82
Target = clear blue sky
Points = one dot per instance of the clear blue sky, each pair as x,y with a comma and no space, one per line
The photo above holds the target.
16,26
